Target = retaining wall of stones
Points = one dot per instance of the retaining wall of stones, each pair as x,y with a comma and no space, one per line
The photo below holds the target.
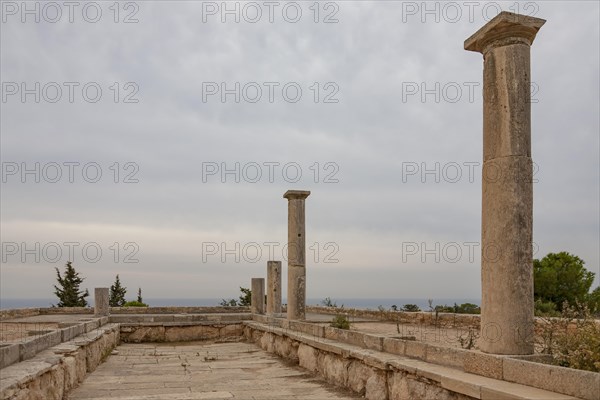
31,312
358,370
525,370
27,348
53,372
180,331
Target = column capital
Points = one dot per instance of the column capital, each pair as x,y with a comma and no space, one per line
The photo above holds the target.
505,28
296,194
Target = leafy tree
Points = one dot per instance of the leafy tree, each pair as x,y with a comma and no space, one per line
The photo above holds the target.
117,294
139,296
327,302
411,308
467,308
228,303
545,309
68,293
560,277
594,301
246,297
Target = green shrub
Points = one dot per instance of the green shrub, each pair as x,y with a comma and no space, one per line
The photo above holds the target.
411,308
545,309
135,304
464,308
467,308
340,322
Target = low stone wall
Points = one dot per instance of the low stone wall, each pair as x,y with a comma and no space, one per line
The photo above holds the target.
31,312
447,320
27,348
52,373
180,318
178,310
359,370
477,365
180,332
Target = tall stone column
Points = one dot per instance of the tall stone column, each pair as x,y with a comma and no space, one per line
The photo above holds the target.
101,303
257,300
273,287
296,294
507,320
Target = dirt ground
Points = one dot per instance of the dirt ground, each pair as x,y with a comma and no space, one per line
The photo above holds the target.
15,331
450,337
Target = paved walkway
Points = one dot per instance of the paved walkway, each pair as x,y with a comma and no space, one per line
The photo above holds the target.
193,371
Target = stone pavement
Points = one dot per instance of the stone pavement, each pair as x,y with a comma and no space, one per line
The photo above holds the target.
193,371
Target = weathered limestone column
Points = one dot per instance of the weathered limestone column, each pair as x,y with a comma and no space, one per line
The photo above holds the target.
296,294
258,296
273,287
101,296
507,201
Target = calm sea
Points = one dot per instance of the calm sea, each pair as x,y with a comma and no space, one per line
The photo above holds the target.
346,302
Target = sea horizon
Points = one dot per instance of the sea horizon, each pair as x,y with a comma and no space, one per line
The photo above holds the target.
363,303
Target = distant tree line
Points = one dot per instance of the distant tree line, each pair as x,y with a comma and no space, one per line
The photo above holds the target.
70,295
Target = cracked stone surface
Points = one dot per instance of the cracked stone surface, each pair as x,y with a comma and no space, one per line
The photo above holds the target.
192,371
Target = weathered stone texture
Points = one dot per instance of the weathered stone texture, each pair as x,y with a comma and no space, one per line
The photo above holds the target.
101,304
296,293
273,287
258,296
507,202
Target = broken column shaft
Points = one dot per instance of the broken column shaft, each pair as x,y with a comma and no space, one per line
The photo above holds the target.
257,299
101,302
296,294
273,287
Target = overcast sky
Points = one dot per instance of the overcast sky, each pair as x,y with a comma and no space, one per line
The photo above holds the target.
362,102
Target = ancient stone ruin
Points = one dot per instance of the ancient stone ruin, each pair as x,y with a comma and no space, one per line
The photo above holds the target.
507,200
136,353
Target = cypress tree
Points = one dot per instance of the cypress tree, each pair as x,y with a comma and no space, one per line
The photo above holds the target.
117,294
68,293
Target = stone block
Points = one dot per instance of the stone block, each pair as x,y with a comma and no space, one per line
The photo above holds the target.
484,364
358,374
182,318
273,287
373,342
415,349
376,387
141,334
9,354
231,330
90,325
394,346
191,333
70,332
308,328
33,345
460,385
572,382
333,368
258,296
101,300
307,356
448,356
